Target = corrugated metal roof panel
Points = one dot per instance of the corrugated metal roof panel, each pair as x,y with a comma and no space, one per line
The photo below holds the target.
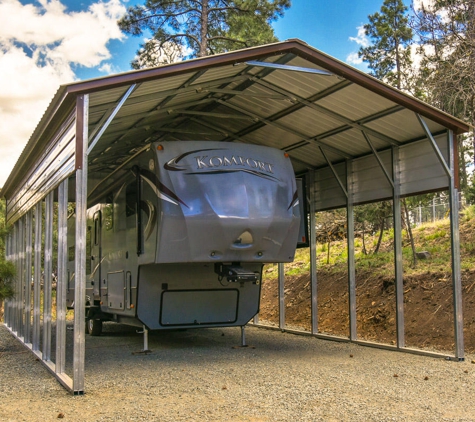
363,103
284,107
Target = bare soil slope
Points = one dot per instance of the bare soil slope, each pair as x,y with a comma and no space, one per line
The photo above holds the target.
428,299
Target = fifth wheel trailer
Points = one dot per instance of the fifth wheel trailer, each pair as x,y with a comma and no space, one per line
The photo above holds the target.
178,236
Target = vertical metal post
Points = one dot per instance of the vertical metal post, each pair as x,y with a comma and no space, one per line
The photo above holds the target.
28,261
351,250
16,300
62,277
7,303
13,299
313,250
455,249
47,280
37,278
433,209
82,114
21,278
398,268
281,296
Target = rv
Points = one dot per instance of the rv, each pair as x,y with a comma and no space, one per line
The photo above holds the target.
177,236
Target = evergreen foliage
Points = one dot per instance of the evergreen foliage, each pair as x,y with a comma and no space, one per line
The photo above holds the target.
389,55
7,269
197,28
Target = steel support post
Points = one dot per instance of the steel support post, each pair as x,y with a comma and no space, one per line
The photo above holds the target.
82,107
21,278
62,277
7,302
11,312
47,279
16,299
313,250
398,269
455,249
281,296
28,274
350,219
37,279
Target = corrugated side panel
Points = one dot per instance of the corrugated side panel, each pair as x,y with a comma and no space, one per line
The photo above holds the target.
370,183
420,171
328,193
56,164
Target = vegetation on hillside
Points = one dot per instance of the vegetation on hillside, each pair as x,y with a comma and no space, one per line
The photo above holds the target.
7,269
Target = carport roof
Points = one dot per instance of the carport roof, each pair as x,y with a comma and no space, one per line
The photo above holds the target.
286,95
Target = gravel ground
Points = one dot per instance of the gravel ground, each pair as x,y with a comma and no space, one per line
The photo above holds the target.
196,375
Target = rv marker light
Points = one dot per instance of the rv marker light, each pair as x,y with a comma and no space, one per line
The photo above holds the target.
286,155
160,147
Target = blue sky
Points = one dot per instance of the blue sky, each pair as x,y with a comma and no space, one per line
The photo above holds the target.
47,43
324,24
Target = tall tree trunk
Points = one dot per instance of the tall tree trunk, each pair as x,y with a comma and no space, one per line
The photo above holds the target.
381,231
409,232
204,29
364,243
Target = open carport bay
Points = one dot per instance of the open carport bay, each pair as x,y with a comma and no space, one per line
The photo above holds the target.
199,375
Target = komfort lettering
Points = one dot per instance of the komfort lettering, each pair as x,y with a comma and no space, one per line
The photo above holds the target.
210,162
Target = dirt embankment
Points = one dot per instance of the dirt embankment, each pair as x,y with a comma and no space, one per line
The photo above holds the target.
428,307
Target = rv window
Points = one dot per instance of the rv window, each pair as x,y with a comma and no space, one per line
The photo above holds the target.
97,227
131,199
109,216
88,249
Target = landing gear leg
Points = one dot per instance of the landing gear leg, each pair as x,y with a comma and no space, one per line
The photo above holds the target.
145,350
243,339
243,336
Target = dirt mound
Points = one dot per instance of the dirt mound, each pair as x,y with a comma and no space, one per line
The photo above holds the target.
428,307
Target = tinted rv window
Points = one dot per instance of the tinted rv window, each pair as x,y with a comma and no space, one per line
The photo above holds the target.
88,249
131,199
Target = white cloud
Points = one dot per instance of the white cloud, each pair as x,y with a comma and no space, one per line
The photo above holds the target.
418,4
361,39
354,58
38,45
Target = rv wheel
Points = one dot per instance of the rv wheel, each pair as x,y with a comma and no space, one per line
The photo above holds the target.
94,327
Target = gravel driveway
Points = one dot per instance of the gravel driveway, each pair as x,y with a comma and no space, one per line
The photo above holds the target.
196,375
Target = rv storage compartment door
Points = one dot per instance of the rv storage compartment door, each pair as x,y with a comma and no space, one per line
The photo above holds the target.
193,307
116,290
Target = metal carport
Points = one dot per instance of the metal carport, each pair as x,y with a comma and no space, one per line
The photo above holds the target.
352,137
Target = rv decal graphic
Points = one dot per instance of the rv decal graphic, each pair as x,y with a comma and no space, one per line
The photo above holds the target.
151,213
253,172
221,164
295,200
159,188
172,165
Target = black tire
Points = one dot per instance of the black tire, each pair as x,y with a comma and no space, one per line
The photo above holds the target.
94,327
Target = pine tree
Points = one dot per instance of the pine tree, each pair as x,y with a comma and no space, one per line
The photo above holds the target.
389,58
389,55
197,28
446,30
